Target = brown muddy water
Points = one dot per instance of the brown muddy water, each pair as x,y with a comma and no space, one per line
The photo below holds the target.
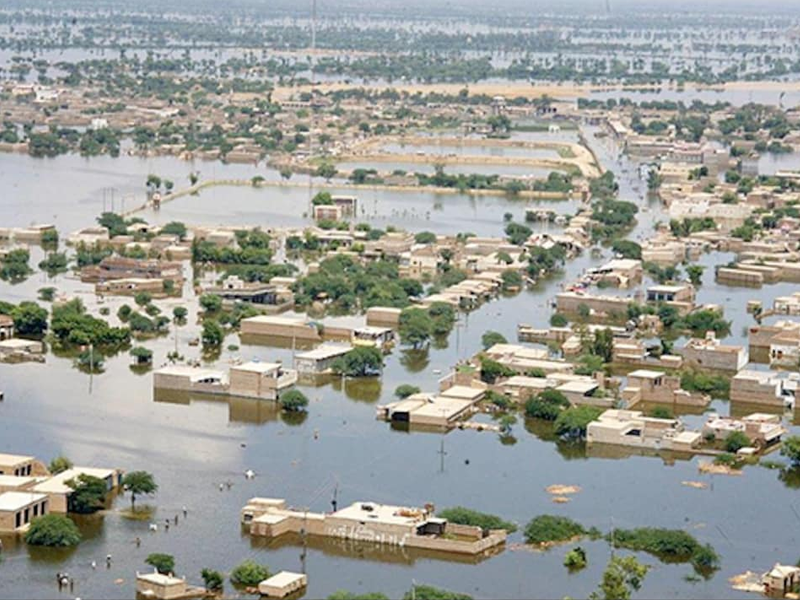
193,443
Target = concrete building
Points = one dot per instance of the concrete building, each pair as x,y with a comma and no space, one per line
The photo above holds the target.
263,381
632,428
522,359
18,466
256,380
12,350
601,306
443,410
645,385
282,584
765,388
781,580
320,360
620,272
287,327
190,379
18,509
381,337
6,327
680,296
383,316
165,587
130,286
12,483
234,289
118,267
374,523
59,494
710,353
762,429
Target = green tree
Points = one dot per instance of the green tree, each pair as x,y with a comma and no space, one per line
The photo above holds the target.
559,320
361,361
213,334
163,563
143,298
179,314
143,356
491,370
326,170
212,580
211,302
47,294
54,531
293,401
89,494
345,595
466,516
249,574
575,559
59,464
627,249
405,390
572,422
428,592
695,273
735,441
175,228
139,483
425,237
544,529
790,448
546,405
416,327
490,338
30,319
623,575
603,344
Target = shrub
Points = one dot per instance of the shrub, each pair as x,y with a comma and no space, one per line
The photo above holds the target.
575,559
466,516
547,405
54,531
546,529
163,563
249,573
405,390
791,449
490,338
293,401
428,592
671,545
212,579
572,422
491,370
59,464
735,441
559,320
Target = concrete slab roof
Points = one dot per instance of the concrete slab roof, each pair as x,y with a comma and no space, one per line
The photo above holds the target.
13,501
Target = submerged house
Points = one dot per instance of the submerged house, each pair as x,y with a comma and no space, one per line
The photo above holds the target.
633,428
371,522
257,380
454,404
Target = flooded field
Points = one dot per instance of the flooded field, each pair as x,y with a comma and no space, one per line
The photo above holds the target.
194,443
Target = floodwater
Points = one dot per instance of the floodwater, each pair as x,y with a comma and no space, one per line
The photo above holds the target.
192,444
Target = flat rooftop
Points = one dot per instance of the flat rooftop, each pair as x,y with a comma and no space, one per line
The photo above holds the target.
257,367
13,501
325,351
383,513
8,481
195,373
284,579
159,579
58,483
14,459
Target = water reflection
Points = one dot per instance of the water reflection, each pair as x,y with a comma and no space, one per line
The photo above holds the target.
383,553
